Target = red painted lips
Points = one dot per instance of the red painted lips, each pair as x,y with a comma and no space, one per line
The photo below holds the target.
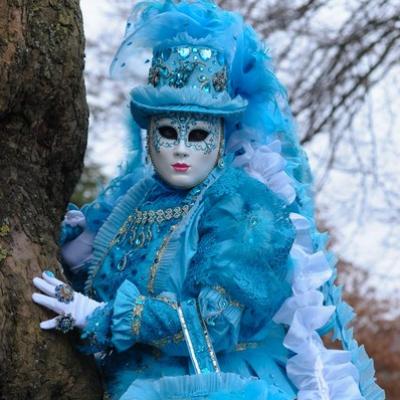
178,167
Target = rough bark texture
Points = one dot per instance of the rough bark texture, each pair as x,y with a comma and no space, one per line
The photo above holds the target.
43,129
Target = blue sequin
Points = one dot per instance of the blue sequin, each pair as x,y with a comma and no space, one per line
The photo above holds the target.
166,54
207,88
205,54
184,52
221,59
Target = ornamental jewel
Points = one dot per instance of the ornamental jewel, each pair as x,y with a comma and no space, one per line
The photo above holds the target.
65,323
188,66
138,228
220,81
64,293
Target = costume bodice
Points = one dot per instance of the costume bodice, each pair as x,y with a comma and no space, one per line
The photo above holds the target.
132,254
229,251
221,244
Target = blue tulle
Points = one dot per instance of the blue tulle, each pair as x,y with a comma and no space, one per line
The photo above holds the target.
204,387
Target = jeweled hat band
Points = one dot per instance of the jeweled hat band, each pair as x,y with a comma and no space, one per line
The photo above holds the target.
201,68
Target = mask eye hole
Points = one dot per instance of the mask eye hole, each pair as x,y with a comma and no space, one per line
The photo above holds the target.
198,135
168,132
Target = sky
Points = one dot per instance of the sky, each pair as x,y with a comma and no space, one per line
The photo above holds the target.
362,238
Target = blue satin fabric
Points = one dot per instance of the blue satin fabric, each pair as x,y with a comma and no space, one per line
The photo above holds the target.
230,255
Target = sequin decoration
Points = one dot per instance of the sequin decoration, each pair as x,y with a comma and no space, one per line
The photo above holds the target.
157,260
184,52
206,88
195,67
138,227
221,59
123,263
180,77
205,54
154,76
120,235
137,314
220,80
157,71
176,339
166,54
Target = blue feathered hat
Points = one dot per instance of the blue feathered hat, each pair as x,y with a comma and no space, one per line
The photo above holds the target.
208,60
194,45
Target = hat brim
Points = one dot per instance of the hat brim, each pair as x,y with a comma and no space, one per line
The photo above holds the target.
147,101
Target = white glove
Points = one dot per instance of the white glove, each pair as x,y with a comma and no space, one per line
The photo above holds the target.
73,307
75,218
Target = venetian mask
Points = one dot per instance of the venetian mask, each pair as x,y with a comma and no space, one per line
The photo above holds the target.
184,147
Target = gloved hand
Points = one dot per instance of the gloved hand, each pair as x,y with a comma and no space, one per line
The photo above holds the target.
73,225
73,307
75,218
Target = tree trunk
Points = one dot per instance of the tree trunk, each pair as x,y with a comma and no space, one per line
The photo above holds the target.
43,132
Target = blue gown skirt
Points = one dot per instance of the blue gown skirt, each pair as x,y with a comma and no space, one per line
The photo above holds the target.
212,386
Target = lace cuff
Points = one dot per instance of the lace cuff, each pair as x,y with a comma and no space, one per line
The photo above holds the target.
126,321
142,319
97,330
222,315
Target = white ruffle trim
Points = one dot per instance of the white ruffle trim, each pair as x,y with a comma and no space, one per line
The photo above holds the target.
266,164
317,372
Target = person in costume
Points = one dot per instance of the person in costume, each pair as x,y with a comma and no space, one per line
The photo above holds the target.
200,273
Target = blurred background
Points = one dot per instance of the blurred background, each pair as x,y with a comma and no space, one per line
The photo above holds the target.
340,63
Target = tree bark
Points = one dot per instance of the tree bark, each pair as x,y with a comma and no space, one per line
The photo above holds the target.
43,133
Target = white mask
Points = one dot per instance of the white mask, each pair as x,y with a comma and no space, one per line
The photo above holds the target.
184,147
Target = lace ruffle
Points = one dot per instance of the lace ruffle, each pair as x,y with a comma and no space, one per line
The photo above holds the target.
224,386
96,333
317,372
266,164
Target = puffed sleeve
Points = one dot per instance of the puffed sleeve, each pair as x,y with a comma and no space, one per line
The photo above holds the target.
80,226
241,263
134,318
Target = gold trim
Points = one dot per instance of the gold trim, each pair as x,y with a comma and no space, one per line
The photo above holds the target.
208,340
137,314
221,290
176,339
157,260
168,301
247,346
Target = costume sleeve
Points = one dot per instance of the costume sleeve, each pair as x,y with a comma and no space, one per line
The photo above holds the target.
133,318
80,226
241,263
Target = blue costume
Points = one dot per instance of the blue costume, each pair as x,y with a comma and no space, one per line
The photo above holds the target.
229,252
224,288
